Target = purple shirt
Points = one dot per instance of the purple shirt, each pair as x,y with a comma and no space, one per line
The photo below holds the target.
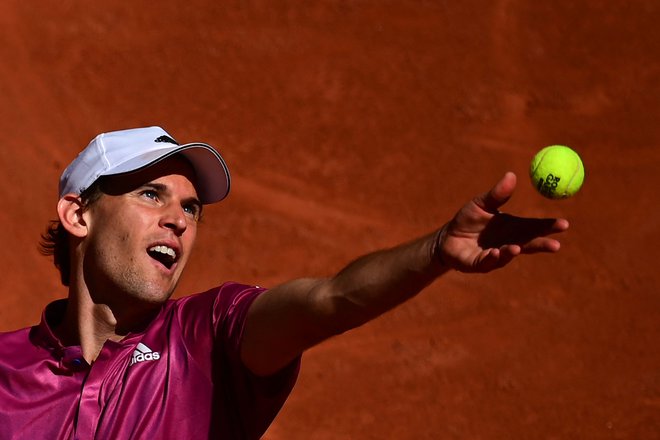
181,378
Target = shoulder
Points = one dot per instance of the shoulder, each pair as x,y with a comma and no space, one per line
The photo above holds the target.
17,341
222,309
226,299
19,336
214,318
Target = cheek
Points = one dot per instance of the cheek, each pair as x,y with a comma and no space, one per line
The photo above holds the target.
112,231
189,241
113,246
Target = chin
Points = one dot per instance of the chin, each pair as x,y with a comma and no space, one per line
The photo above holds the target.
149,294
157,297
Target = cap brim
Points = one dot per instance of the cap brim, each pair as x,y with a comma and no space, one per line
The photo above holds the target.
211,171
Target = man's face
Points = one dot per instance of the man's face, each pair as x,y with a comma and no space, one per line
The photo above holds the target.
140,234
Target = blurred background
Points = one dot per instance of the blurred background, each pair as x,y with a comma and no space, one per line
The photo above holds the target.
354,125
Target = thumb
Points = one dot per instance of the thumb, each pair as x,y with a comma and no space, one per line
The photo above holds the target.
498,195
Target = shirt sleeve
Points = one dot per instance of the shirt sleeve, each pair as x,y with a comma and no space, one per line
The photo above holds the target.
253,400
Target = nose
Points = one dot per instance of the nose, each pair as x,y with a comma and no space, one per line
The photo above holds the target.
174,219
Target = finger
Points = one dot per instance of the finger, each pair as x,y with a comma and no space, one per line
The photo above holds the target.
561,224
504,255
498,195
510,251
531,229
487,261
506,229
495,258
541,244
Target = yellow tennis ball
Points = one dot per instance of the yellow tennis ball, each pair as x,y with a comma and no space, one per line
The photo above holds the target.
557,172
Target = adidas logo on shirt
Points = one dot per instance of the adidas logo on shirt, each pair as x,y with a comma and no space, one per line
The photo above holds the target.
143,353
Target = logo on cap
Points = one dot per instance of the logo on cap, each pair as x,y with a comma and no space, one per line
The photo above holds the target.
166,139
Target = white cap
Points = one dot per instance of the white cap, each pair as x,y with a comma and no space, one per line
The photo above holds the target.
126,151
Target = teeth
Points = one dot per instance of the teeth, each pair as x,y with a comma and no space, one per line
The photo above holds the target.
163,250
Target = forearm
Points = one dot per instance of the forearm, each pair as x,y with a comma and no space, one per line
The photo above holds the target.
292,317
377,282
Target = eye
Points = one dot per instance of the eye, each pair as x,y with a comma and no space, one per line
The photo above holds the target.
193,210
150,194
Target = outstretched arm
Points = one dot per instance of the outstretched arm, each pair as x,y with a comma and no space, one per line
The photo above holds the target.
297,315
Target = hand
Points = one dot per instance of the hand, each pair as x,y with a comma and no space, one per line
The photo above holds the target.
480,238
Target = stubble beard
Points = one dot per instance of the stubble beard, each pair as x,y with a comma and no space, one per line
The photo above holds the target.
124,282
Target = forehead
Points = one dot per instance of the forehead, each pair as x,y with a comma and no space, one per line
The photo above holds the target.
174,165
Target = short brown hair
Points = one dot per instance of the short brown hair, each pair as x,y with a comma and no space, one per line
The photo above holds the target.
55,240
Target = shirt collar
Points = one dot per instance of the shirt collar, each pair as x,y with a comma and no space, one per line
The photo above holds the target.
68,358
52,314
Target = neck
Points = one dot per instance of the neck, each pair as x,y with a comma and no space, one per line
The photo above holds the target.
90,324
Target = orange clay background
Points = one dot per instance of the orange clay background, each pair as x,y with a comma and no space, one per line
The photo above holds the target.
354,125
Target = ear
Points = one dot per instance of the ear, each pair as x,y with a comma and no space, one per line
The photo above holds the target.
70,212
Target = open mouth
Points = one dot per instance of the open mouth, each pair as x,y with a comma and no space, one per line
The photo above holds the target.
165,255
